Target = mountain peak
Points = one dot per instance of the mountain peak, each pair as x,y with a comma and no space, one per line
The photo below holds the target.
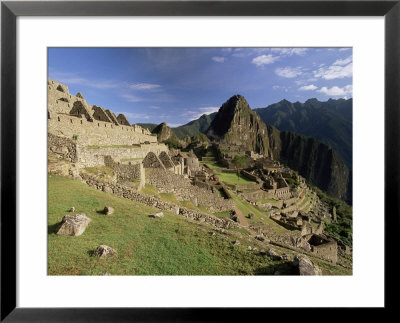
236,124
162,131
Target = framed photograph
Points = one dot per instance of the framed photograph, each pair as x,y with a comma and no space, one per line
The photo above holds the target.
183,155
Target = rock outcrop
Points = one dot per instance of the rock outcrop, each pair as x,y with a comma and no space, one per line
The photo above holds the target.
236,124
108,210
163,132
104,251
305,266
73,225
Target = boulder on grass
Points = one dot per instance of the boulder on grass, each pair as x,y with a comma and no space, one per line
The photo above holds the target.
73,225
305,266
108,210
156,215
104,251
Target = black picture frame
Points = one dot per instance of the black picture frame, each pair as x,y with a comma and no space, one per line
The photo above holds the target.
10,10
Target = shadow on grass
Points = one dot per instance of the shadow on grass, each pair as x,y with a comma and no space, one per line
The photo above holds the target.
100,212
284,269
52,228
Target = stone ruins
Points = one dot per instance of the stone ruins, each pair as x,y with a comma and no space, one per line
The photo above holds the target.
88,136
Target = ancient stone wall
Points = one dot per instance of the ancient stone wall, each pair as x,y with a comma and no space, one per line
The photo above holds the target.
289,202
122,120
94,156
127,172
100,114
112,116
59,101
327,251
65,148
126,192
65,119
166,160
182,188
95,133
250,176
152,161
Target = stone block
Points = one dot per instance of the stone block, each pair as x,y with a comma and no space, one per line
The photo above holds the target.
73,225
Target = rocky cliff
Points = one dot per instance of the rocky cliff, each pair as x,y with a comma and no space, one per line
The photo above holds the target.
330,122
163,132
314,160
236,124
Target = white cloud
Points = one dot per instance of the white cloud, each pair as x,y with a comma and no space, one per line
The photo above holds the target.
132,98
264,60
290,51
133,116
226,50
218,59
341,68
196,113
279,87
288,72
343,61
310,87
72,78
344,49
144,86
337,91
154,107
173,125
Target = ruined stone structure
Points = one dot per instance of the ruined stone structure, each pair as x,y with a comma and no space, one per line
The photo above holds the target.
184,190
72,117
126,192
92,136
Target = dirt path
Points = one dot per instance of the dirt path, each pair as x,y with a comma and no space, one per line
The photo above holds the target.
242,219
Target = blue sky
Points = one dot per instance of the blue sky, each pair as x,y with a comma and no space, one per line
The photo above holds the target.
177,85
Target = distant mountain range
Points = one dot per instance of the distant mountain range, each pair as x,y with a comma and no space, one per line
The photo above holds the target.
236,124
330,122
314,138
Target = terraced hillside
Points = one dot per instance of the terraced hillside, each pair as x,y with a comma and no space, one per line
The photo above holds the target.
170,245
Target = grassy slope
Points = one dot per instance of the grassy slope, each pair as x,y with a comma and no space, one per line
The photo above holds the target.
146,246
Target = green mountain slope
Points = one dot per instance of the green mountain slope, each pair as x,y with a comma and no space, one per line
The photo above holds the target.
330,122
195,127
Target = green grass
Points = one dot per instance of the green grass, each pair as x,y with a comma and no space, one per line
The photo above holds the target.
169,197
145,246
114,146
212,165
100,170
343,228
246,208
232,178
202,209
223,214
241,230
149,190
